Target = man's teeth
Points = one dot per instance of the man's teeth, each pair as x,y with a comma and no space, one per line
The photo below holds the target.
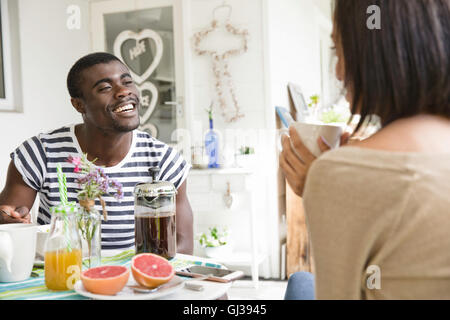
125,108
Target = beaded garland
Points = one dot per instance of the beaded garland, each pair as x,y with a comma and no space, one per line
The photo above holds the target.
220,67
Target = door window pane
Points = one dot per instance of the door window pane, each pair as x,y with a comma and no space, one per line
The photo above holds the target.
139,52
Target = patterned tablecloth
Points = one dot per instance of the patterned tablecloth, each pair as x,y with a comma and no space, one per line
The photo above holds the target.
34,287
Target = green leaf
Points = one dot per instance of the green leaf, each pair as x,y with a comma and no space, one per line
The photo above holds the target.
333,117
215,238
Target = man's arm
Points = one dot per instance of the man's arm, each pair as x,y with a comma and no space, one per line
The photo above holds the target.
16,199
185,228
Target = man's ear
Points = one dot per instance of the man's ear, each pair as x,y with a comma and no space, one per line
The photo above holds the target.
78,104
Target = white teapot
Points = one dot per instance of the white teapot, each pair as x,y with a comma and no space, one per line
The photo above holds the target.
17,251
6,249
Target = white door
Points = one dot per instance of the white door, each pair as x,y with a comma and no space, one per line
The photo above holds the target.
147,36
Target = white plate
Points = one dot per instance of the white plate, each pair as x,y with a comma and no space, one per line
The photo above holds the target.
128,293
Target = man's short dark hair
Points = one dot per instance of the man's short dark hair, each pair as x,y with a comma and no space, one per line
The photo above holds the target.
74,76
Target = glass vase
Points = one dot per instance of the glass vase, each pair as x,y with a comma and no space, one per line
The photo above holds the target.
89,225
212,146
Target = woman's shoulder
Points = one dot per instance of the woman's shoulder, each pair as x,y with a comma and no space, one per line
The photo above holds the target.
356,157
364,165
355,178
357,167
416,143
423,134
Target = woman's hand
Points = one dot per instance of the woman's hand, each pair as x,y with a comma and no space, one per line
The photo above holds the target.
296,159
10,215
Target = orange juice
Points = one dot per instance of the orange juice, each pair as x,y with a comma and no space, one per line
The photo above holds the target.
62,269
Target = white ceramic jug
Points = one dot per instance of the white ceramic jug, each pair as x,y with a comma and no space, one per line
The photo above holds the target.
17,251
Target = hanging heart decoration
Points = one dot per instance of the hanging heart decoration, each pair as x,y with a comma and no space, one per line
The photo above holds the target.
138,50
142,40
148,103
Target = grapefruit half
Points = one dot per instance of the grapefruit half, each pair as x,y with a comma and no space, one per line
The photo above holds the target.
151,270
107,280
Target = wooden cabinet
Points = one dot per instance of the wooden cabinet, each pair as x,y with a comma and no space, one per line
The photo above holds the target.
206,191
298,251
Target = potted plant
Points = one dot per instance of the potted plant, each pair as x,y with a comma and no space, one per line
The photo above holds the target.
325,115
333,117
215,242
245,157
314,105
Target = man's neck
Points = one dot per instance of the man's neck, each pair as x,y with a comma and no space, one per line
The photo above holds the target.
109,148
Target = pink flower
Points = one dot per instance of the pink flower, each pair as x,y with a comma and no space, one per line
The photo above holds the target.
75,160
93,182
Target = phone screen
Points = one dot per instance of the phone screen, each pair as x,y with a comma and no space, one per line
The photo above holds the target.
208,270
285,116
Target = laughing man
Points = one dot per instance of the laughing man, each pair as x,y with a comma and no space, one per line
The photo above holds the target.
103,92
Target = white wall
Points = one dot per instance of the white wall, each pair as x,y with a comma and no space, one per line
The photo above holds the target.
293,54
247,70
248,75
294,48
284,47
48,50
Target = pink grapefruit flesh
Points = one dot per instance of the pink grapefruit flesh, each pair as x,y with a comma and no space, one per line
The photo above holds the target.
106,280
151,270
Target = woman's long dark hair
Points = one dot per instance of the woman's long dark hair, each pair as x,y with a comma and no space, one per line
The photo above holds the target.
402,69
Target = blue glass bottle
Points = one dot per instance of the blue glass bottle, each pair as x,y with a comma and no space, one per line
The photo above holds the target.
212,146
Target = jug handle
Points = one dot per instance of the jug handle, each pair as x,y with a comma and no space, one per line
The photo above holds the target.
6,241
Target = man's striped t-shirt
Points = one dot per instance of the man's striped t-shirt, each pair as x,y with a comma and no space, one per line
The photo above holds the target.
37,159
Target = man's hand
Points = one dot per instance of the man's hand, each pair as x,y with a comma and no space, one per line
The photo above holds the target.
296,159
185,223
10,215
16,198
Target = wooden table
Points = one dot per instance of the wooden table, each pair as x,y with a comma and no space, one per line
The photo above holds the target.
34,287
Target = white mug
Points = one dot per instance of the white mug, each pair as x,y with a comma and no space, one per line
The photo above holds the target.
42,235
310,133
17,251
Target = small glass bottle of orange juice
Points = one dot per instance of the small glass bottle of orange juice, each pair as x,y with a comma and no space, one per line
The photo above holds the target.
63,255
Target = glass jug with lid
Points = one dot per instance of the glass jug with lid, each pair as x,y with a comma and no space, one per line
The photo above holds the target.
155,212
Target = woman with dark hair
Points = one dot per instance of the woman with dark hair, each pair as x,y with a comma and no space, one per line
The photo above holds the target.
378,210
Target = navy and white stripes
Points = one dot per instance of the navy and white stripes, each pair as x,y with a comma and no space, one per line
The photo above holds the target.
36,160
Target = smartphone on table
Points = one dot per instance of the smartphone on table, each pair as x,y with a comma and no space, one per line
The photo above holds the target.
217,274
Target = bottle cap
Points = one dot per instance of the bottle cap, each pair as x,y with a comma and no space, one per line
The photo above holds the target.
70,207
